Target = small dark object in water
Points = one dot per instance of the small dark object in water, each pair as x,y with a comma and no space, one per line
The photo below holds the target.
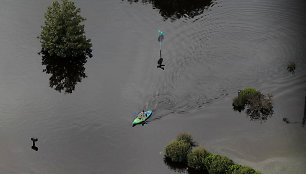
291,67
304,118
159,62
160,38
286,120
33,145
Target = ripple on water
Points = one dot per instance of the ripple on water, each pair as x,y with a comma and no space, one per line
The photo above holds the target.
226,49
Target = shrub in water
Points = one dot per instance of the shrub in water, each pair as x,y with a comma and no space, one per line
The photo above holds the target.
207,161
185,137
219,164
241,100
195,158
260,107
177,151
199,159
238,169
291,67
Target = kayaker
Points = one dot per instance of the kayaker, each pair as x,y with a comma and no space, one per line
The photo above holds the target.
143,114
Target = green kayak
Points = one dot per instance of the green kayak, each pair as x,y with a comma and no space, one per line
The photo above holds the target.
142,117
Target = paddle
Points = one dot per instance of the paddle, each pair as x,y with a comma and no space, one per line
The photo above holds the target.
160,38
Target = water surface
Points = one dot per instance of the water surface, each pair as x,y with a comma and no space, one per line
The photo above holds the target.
209,57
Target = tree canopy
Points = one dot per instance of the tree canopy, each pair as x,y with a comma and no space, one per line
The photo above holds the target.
63,34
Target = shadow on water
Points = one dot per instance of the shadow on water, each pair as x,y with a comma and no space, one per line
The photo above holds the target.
176,9
286,120
33,145
177,167
65,72
181,167
256,114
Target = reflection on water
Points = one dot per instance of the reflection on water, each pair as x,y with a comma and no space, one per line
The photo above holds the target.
33,145
181,167
177,167
176,9
65,72
286,120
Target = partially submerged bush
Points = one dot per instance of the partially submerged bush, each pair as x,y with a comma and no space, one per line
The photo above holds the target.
291,67
243,97
239,169
219,164
178,155
186,138
196,156
259,106
177,151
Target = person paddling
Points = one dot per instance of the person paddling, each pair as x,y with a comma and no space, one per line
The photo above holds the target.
143,114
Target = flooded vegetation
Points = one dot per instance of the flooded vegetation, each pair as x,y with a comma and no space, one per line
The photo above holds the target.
199,159
258,106
291,67
209,50
65,48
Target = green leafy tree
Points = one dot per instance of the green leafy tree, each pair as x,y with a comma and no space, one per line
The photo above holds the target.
63,34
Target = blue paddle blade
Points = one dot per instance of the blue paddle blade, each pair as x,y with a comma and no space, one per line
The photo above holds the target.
135,113
160,33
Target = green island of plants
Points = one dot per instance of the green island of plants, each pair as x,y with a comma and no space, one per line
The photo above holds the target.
259,106
181,151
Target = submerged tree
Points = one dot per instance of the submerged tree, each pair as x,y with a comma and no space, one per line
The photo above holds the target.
65,48
63,34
